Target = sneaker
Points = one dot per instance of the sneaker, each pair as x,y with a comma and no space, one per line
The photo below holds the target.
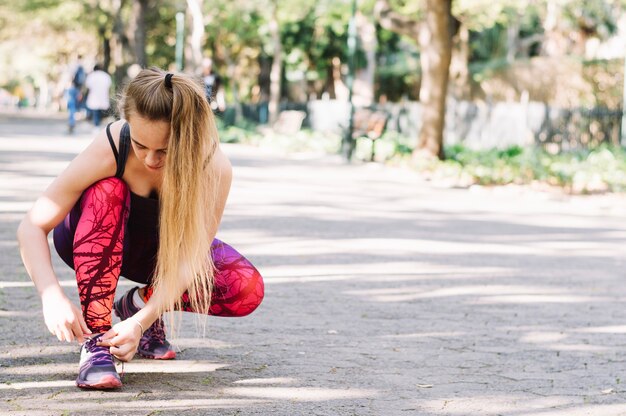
97,370
153,344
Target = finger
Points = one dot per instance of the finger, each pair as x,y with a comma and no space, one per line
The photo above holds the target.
110,334
67,334
124,357
60,333
83,325
122,353
77,332
111,342
118,353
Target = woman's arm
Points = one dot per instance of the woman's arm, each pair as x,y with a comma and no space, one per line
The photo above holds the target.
96,162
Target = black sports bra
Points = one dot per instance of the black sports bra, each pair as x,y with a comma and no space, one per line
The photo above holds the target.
122,155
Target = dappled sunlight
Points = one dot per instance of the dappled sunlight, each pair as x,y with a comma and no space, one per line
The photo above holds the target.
275,380
15,206
496,405
45,368
563,340
543,337
171,366
414,247
215,344
34,144
300,394
611,329
618,409
97,405
539,298
479,294
24,351
13,314
455,334
38,384
136,366
577,347
379,271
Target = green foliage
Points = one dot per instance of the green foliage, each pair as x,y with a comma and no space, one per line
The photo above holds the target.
583,171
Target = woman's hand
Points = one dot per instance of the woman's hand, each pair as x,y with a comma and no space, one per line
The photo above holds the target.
63,318
123,339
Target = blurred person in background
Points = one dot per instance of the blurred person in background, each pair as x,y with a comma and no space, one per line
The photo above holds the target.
74,91
98,84
213,85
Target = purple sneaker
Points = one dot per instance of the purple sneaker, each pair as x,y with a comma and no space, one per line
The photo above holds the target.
97,370
152,344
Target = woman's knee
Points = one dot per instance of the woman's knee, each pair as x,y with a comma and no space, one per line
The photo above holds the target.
242,295
109,190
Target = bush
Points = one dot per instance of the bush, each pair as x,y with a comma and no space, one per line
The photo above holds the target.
583,171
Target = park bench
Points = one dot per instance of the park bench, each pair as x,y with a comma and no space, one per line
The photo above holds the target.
289,122
369,124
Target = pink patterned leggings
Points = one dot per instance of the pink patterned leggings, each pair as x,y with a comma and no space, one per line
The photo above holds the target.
94,240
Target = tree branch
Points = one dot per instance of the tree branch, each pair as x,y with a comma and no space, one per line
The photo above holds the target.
394,21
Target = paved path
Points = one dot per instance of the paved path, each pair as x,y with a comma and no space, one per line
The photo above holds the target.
385,295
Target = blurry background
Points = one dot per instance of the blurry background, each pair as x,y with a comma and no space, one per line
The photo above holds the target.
480,91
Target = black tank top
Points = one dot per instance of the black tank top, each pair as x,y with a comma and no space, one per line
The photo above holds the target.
122,156
141,239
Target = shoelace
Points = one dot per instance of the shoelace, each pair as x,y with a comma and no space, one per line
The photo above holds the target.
101,354
156,331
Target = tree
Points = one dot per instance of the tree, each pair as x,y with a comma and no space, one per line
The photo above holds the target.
432,30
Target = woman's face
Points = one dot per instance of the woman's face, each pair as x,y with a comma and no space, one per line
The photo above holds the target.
149,140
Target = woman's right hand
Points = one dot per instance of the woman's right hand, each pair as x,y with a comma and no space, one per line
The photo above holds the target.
63,318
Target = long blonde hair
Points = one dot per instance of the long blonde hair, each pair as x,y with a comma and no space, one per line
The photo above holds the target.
189,189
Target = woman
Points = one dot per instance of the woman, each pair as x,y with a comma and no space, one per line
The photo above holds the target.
143,200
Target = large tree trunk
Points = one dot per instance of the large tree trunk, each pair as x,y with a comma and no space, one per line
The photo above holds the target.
436,49
459,65
138,31
434,35
121,52
277,64
193,56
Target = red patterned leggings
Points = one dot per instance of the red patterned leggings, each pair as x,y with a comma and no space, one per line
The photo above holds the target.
98,253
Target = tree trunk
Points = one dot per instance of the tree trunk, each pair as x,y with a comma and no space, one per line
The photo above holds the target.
106,47
193,56
459,65
140,7
277,64
513,38
436,47
553,44
364,78
434,35
119,44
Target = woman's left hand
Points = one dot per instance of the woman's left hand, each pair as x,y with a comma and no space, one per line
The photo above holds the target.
123,338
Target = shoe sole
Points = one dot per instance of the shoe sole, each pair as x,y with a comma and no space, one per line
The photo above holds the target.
105,383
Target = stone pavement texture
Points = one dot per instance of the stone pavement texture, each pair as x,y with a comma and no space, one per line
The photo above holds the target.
385,295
